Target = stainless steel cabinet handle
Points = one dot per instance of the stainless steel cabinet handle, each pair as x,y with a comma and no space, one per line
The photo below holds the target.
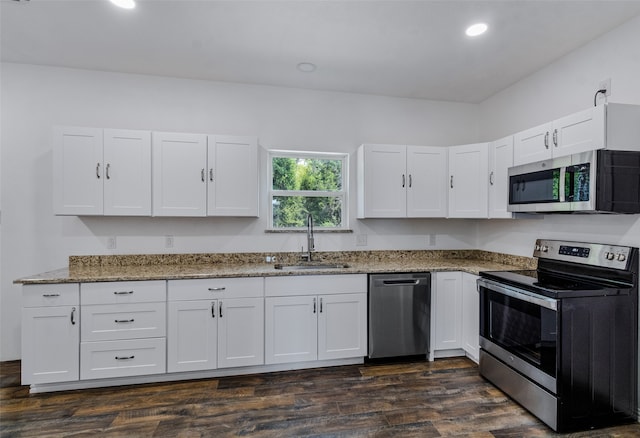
220,309
73,316
202,174
314,305
491,178
210,174
107,171
546,140
320,305
122,321
50,295
123,292
555,137
213,309
124,357
451,182
403,180
214,289
410,181
98,170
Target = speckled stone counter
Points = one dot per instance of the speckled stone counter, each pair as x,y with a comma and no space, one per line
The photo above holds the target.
221,265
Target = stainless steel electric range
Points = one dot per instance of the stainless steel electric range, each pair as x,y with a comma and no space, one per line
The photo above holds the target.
562,340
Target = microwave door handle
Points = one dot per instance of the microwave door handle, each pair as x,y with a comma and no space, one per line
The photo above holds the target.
563,177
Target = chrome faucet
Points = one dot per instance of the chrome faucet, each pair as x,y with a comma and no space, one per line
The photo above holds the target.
310,243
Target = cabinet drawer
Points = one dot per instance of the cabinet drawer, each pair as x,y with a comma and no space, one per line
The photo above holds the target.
205,289
123,321
117,292
135,357
315,285
43,295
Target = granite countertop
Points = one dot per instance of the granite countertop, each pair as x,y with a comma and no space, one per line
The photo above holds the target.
189,266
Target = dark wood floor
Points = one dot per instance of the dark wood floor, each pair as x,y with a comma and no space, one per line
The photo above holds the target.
413,399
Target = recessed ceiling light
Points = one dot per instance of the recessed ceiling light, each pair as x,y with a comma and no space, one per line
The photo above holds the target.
125,4
306,67
476,29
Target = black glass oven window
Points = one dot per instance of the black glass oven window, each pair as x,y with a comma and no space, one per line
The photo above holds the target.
535,187
524,329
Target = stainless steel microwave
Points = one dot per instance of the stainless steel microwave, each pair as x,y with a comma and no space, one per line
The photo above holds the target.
601,181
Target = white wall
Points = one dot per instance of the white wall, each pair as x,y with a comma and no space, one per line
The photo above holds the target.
35,98
561,88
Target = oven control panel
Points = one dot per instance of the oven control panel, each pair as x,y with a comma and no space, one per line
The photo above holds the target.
595,254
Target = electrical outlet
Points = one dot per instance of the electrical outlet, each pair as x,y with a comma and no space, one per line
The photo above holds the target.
168,241
361,240
605,85
111,242
431,239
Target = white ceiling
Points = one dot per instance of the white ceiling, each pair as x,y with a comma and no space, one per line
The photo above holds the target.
397,48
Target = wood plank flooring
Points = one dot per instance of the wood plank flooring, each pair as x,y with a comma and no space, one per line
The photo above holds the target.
403,399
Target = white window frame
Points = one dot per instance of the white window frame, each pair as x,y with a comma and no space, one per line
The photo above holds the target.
342,194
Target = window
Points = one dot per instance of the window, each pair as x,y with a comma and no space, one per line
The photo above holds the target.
303,183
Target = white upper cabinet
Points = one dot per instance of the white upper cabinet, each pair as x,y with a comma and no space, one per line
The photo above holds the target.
77,171
397,181
427,181
102,172
199,175
127,172
232,176
611,126
179,174
500,159
468,181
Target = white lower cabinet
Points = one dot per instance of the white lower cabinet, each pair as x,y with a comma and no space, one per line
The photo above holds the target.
215,323
122,358
50,333
470,316
315,318
123,329
455,314
447,310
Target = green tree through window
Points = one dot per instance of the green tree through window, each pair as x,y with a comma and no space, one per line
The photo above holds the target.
307,183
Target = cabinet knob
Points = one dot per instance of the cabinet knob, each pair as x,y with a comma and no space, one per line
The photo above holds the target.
491,178
546,140
451,182
98,170
73,316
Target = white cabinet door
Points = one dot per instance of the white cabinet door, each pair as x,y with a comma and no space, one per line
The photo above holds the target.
232,175
580,132
179,174
50,344
342,326
533,144
427,181
240,332
127,172
470,316
192,335
468,182
447,311
291,331
500,159
382,181
77,171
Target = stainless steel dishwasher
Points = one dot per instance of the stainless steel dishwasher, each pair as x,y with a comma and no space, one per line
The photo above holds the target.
399,314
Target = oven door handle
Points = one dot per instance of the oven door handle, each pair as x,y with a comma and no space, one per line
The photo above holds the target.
548,303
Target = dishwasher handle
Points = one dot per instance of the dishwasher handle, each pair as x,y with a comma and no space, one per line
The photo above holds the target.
401,281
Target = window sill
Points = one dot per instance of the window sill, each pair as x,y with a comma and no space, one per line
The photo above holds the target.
304,230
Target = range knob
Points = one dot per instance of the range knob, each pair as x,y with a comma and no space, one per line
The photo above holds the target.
537,247
544,248
621,257
610,256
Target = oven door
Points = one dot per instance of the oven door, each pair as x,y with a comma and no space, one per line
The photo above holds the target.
520,328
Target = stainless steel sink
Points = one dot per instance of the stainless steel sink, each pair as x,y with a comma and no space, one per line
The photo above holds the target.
311,266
